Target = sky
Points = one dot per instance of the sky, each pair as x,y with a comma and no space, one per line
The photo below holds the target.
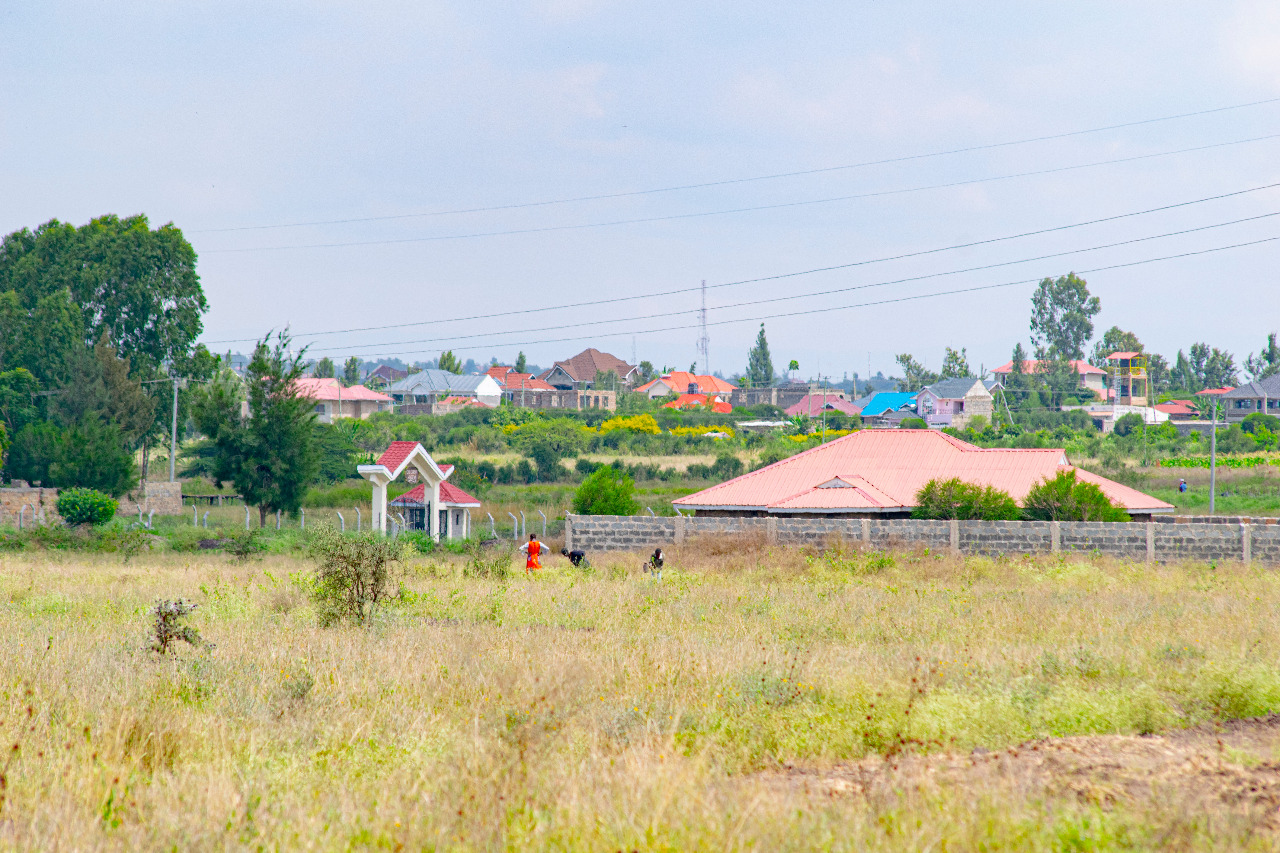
371,175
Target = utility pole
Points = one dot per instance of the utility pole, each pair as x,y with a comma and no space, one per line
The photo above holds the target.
173,431
704,340
1213,458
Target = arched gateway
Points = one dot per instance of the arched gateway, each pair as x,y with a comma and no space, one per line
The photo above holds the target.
441,508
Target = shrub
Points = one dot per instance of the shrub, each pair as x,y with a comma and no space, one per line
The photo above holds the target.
954,498
485,562
168,627
913,423
85,506
632,423
1066,498
1127,424
353,573
606,492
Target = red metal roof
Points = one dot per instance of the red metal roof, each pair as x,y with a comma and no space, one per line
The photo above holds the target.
1119,355
814,404
1030,366
692,401
680,380
883,469
394,455
1176,407
332,389
1213,392
450,495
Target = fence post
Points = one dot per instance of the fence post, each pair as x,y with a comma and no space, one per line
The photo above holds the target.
1151,542
277,519
302,518
1246,542
1055,537
955,536
515,526
493,528
206,519
343,522
771,530
139,515
151,520
524,527
652,514
22,514
195,515
568,532
246,516
358,519
679,528
544,523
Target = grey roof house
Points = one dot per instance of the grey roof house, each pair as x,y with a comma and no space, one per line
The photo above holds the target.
1260,396
954,402
429,386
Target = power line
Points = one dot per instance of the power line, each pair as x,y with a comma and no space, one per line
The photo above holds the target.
889,301
730,181
794,274
779,206
832,291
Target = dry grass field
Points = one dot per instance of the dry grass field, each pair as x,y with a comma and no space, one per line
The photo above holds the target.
751,698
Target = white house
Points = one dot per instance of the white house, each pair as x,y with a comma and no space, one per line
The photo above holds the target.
429,386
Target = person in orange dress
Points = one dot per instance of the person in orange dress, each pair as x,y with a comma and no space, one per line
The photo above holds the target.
533,552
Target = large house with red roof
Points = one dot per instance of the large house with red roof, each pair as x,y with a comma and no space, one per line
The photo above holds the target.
334,401
684,382
879,472
1091,378
434,506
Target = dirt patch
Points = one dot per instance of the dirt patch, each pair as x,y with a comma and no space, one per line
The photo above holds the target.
1213,768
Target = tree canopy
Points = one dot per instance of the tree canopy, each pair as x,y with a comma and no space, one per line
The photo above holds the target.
760,362
914,374
955,365
1062,313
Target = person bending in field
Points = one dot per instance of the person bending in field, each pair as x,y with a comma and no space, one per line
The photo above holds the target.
532,553
576,556
654,563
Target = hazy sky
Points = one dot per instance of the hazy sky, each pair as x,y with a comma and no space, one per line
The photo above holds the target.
224,116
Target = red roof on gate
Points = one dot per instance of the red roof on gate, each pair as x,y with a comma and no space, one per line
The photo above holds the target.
396,453
884,469
450,495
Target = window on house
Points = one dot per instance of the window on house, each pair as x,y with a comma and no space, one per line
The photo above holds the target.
319,408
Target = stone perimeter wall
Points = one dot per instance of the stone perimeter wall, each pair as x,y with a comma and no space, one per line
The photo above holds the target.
164,497
1151,541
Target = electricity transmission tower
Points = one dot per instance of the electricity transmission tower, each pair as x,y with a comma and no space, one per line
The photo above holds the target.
704,340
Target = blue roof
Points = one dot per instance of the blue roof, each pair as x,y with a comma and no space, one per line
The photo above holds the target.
888,401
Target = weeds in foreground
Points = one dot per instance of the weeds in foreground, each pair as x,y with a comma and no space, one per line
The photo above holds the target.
488,562
168,626
353,575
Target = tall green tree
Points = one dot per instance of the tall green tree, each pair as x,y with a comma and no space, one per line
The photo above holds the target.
522,364
914,374
760,363
270,456
351,372
448,361
134,283
323,369
1114,339
955,365
1062,313
1266,362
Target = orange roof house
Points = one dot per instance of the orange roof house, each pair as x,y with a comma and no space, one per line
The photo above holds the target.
880,471
1090,377
684,382
700,401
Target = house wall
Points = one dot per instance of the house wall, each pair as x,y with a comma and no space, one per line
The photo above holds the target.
1164,541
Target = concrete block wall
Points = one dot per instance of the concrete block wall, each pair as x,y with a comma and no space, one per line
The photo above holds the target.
1165,542
164,497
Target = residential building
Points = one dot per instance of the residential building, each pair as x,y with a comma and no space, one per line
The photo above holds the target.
683,382
1129,384
954,402
434,506
1178,410
420,392
782,396
1252,397
888,408
1090,378
384,374
879,472
333,401
814,405
714,402
526,391
579,373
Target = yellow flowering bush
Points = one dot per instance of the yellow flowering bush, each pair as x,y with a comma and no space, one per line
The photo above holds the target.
703,430
632,423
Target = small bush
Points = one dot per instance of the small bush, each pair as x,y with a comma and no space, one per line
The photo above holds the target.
1065,498
353,573
954,498
606,492
244,546
168,625
494,562
85,506
913,423
1128,424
